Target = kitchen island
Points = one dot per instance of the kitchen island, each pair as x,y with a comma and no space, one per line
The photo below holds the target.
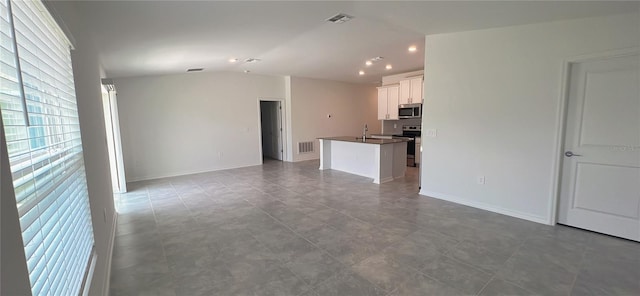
380,159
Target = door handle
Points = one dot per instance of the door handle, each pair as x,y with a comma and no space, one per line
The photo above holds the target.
570,154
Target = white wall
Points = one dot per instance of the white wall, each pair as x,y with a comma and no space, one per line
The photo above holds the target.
193,122
350,105
178,124
493,96
288,156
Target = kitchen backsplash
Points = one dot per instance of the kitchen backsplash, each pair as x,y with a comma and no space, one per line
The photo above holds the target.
388,125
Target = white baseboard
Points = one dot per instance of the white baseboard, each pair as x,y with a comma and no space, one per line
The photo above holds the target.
485,206
385,180
307,157
112,240
399,177
189,172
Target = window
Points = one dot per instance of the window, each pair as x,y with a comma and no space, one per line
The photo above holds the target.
40,120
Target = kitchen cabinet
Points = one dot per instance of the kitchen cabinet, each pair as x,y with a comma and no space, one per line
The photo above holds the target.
381,160
411,91
388,102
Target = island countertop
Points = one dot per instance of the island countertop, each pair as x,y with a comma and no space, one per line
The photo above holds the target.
367,141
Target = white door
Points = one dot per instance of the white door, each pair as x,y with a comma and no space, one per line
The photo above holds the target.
600,186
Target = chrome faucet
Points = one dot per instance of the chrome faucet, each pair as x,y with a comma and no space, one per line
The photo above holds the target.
364,133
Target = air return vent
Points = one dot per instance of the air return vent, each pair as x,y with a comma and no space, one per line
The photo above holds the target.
305,147
195,69
339,18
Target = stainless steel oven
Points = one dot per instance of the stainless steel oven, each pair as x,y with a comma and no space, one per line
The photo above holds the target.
410,132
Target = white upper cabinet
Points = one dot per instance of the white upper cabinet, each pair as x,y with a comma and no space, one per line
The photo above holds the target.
382,102
405,91
411,91
392,102
416,90
388,102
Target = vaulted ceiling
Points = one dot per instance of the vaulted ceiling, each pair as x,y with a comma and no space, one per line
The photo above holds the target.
138,38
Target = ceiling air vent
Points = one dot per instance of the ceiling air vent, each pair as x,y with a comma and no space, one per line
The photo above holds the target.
251,60
195,69
340,18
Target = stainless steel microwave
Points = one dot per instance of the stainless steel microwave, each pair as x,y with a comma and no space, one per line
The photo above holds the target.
410,111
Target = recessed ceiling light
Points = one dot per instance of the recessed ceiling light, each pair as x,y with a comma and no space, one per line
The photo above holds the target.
233,60
195,69
388,67
412,48
361,72
246,71
368,63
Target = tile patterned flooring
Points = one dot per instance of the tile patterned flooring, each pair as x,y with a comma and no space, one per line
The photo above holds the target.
290,229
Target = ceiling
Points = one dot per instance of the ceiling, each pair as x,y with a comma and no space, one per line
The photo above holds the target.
139,38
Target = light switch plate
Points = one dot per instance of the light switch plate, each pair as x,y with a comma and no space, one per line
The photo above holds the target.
431,133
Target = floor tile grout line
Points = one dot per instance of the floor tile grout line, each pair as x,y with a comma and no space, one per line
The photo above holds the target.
345,214
502,266
306,200
192,216
328,253
301,236
162,244
445,254
437,280
470,265
357,219
579,269
283,264
312,288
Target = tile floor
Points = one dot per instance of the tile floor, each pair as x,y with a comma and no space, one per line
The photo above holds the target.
290,229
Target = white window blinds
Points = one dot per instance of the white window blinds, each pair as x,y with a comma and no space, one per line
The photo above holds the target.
40,119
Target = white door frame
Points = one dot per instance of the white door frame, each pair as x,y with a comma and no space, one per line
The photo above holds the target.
114,141
561,120
285,152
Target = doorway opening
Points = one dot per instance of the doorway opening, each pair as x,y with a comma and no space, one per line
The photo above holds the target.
271,126
114,145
